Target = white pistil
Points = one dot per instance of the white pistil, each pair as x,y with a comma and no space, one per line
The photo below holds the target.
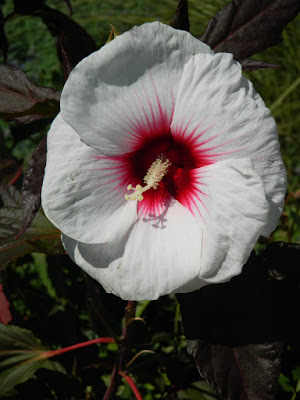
158,169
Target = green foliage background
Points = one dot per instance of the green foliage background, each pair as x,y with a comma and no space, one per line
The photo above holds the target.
55,299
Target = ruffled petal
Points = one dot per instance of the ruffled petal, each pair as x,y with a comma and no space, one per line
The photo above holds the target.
154,258
232,208
83,192
125,93
221,116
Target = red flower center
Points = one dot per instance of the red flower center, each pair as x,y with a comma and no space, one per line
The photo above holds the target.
181,179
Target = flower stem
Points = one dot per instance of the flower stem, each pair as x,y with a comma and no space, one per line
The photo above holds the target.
122,351
112,384
131,383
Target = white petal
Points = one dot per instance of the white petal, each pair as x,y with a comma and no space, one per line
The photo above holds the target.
155,257
233,210
218,111
83,193
126,91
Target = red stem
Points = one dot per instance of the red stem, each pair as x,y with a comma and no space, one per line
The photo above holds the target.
131,383
16,177
111,387
53,353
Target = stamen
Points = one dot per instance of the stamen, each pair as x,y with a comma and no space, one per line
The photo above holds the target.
158,169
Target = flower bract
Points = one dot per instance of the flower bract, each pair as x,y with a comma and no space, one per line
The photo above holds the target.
163,166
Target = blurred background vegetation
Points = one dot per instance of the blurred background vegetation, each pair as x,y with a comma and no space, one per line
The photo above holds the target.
55,299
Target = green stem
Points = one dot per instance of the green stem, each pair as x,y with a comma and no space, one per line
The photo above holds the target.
285,94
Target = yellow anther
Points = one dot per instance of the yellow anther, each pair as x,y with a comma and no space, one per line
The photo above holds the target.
156,172
158,169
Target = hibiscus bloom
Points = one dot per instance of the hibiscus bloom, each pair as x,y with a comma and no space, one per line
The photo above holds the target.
163,166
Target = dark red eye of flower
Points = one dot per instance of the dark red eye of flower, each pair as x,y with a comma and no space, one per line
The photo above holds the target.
163,166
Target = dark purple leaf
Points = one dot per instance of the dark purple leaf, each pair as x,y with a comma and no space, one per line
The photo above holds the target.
247,27
66,63
40,236
235,328
22,100
245,372
69,5
27,7
181,17
256,65
32,185
73,41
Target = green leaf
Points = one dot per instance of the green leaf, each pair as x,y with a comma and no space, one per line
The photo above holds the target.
19,351
42,269
41,236
193,394
20,357
9,360
205,389
285,383
18,374
16,338
54,366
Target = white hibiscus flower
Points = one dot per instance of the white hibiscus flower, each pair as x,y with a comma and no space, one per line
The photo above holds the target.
163,166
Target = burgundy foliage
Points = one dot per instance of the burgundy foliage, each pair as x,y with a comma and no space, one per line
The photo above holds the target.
243,372
32,185
21,100
255,65
247,27
40,236
181,17
73,41
5,314
237,331
69,5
